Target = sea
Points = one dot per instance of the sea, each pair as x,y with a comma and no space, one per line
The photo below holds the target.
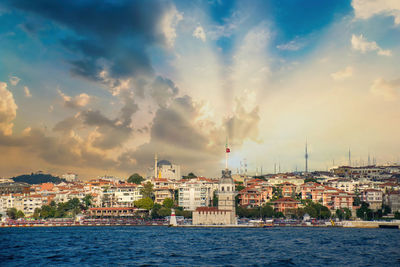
163,246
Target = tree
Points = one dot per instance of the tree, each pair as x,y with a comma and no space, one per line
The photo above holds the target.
87,201
347,213
397,215
135,178
147,190
276,193
364,212
163,212
154,211
190,175
168,203
144,203
215,199
311,179
267,211
20,214
12,213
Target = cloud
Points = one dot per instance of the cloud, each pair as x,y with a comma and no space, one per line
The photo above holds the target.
360,43
365,9
199,33
185,132
169,22
342,74
77,101
389,90
8,110
14,80
290,46
27,92
112,35
162,90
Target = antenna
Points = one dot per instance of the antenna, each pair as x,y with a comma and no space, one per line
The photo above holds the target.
227,151
275,168
306,158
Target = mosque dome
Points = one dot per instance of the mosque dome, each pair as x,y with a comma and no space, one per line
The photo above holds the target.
163,163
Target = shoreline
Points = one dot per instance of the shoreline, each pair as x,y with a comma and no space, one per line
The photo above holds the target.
360,225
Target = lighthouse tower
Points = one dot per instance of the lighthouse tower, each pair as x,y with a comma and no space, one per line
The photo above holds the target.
226,191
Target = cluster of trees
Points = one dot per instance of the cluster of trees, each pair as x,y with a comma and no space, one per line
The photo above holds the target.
190,175
38,178
15,214
63,209
315,210
365,213
160,211
135,179
263,212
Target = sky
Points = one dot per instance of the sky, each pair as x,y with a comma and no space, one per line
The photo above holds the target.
98,87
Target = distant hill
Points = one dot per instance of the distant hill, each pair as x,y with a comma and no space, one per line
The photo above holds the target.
38,178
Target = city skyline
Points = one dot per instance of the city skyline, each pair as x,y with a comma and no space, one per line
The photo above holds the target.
99,88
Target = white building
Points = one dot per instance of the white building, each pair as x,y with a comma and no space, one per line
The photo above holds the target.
70,177
25,203
195,193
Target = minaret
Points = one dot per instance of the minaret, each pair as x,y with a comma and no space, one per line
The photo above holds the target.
349,158
369,159
306,159
155,166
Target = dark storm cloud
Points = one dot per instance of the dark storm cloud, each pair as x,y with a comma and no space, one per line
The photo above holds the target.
115,32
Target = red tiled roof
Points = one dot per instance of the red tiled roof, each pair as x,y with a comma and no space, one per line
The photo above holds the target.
285,199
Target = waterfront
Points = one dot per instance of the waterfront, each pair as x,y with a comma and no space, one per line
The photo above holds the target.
279,246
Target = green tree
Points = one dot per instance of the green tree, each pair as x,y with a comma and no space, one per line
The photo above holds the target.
168,203
276,193
12,213
267,211
147,190
163,212
347,213
154,211
87,201
364,212
20,214
311,179
144,203
190,175
215,199
135,178
397,215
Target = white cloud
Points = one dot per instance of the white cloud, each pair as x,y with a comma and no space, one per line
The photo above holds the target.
14,80
27,92
365,9
389,90
8,110
168,25
290,46
199,33
80,100
360,43
342,74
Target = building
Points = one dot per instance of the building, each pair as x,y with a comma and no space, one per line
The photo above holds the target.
165,169
373,197
195,193
112,212
225,214
286,205
70,177
392,199
14,188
